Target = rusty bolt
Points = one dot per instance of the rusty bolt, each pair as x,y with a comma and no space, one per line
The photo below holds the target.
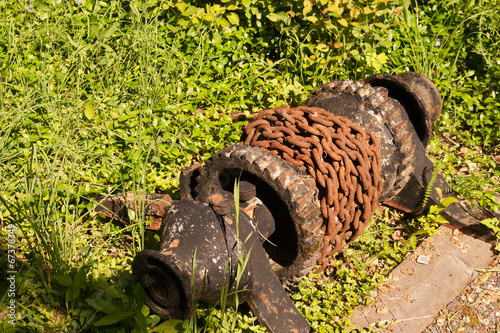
247,191
222,202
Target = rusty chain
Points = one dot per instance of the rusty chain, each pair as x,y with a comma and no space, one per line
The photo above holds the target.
342,157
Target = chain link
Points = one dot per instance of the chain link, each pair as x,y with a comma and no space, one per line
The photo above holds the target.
342,157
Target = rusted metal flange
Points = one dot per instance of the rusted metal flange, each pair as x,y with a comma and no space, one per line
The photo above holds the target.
428,91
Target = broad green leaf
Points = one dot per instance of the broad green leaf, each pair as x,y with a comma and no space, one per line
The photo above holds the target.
233,18
89,111
139,295
322,47
382,26
109,32
343,22
191,10
448,201
140,319
441,219
145,310
131,214
223,22
65,280
168,326
273,17
113,318
333,8
103,305
79,279
376,60
439,192
312,19
435,209
108,48
492,223
181,6
72,294
14,329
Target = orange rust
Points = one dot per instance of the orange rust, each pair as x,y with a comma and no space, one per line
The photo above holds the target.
174,243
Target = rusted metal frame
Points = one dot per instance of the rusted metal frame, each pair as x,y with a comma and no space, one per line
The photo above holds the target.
151,206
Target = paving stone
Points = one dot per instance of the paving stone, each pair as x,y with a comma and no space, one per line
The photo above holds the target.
417,292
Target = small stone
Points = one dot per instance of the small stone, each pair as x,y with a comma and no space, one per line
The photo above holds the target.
434,328
463,169
424,260
383,309
407,272
472,166
409,298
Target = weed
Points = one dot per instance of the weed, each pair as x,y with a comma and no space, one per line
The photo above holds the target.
494,225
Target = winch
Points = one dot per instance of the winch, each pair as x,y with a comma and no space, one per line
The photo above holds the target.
308,181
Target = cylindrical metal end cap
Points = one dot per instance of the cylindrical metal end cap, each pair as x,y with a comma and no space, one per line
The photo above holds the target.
427,90
248,191
222,202
167,286
418,96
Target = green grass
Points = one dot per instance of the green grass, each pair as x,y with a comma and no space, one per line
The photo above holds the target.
101,98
